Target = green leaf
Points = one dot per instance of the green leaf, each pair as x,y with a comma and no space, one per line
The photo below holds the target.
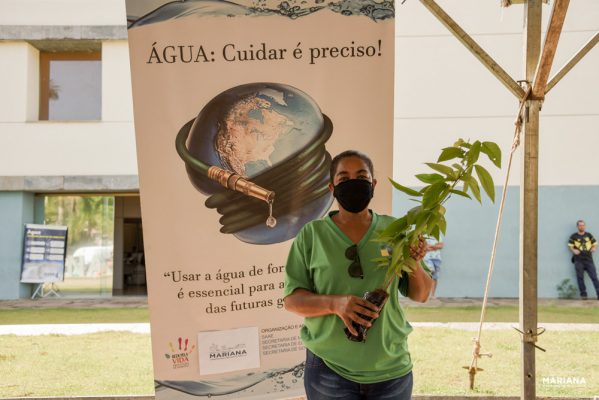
444,169
435,232
434,218
432,195
411,264
397,256
442,224
474,188
462,143
422,219
381,262
460,193
404,250
396,227
404,189
486,181
449,153
473,153
458,167
465,178
430,178
493,151
412,213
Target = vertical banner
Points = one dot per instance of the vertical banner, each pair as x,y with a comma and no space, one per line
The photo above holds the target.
238,110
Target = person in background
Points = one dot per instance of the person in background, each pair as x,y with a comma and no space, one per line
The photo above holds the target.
432,259
582,244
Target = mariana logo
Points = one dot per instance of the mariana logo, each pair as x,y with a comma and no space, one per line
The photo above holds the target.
225,352
179,355
564,380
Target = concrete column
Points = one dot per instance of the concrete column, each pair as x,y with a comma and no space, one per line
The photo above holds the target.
117,268
39,209
16,210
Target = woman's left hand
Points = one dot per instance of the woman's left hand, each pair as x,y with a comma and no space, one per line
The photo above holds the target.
418,252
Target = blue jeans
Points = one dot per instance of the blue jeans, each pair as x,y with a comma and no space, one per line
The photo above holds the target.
321,383
589,267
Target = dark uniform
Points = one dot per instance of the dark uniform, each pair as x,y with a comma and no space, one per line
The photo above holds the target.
584,260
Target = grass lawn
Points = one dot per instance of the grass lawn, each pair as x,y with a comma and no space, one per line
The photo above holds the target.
439,354
547,313
73,315
116,363
110,363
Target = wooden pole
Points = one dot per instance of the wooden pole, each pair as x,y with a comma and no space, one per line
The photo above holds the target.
529,204
529,183
556,22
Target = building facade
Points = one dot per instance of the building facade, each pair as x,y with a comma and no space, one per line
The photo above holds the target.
67,143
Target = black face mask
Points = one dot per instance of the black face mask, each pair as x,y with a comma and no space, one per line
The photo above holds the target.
354,194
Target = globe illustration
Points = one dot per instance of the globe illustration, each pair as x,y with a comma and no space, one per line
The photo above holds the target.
273,135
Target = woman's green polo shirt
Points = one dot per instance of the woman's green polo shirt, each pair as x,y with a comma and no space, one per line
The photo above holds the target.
317,263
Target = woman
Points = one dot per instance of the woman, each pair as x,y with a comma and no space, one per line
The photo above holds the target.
325,282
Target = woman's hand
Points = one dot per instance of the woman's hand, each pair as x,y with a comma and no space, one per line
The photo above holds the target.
418,252
352,308
419,282
347,307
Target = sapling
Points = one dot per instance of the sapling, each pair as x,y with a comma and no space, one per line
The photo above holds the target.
464,176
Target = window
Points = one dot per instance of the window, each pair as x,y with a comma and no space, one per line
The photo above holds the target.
89,262
70,86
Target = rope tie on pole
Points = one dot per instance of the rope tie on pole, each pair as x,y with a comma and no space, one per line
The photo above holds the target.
476,350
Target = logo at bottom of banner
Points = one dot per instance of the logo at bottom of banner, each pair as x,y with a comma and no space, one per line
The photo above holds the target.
179,353
228,350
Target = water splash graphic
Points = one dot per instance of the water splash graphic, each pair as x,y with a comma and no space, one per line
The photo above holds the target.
277,380
375,10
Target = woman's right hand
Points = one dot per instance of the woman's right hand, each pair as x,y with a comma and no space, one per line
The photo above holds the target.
351,308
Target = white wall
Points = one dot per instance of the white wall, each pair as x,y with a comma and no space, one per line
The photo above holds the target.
117,100
67,148
19,80
29,147
443,92
62,12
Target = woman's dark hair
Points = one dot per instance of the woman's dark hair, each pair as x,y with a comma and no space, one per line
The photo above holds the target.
346,154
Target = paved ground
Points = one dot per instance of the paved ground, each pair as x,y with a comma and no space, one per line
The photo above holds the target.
142,301
71,329
79,329
69,302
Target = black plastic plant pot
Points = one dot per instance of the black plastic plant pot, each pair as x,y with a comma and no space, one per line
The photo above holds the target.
376,297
